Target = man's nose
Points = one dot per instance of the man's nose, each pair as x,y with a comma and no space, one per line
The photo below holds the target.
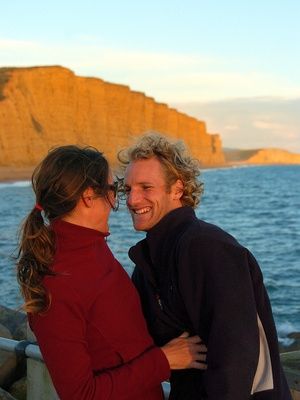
133,197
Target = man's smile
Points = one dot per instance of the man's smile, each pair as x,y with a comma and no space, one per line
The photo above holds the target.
140,211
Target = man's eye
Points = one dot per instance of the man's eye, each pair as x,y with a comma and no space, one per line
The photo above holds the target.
126,190
147,187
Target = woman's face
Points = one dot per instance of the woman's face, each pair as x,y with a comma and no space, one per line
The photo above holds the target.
102,207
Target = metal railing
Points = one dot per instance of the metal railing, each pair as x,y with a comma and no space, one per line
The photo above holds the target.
22,348
38,380
40,384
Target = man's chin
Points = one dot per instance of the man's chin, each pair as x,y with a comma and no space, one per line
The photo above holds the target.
138,226
140,223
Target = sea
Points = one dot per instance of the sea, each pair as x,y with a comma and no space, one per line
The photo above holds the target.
258,205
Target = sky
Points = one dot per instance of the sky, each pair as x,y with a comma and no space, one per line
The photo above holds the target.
233,64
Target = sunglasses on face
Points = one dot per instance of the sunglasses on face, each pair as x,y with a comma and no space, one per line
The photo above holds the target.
114,187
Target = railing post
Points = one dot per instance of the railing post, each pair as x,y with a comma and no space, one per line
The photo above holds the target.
39,383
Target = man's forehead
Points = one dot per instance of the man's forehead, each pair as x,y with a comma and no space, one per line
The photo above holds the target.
139,182
145,172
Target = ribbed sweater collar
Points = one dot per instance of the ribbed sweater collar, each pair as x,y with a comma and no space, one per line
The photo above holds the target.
74,236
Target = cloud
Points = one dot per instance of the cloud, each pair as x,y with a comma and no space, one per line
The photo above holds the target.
231,127
166,76
14,45
268,125
251,123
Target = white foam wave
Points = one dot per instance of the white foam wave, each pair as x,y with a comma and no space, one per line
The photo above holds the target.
14,184
283,329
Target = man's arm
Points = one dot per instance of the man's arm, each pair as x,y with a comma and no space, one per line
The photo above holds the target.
216,287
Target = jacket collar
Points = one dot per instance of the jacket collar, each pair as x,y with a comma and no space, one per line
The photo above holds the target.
168,227
147,253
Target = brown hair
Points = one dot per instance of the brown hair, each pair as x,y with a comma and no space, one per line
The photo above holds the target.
58,183
175,159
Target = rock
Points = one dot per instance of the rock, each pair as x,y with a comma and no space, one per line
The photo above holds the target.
5,332
19,389
5,395
8,371
12,326
20,332
4,355
12,319
294,346
8,361
295,335
291,366
42,107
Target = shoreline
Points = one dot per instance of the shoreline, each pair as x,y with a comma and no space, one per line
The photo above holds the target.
13,173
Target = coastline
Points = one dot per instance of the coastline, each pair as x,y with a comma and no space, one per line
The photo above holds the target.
12,174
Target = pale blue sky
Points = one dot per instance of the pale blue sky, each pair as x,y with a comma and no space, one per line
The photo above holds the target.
175,51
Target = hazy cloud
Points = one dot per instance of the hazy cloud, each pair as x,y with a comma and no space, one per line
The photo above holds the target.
231,127
251,123
16,44
166,76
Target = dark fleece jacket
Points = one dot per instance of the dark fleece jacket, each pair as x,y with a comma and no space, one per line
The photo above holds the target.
193,276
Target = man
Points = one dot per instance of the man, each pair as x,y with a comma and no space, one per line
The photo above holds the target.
192,276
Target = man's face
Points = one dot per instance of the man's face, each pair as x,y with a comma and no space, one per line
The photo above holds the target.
148,198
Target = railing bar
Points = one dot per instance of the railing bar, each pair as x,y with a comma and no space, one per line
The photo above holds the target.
31,350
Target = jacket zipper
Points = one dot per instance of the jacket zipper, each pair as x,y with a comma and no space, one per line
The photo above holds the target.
159,301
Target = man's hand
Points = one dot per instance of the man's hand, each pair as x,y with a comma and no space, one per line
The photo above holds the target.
186,352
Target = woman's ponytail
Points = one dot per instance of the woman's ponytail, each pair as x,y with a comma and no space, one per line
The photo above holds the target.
36,251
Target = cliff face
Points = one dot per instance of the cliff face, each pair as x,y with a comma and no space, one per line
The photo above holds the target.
261,156
42,107
274,156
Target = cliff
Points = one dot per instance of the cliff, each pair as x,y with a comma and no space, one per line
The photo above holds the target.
274,156
261,156
42,107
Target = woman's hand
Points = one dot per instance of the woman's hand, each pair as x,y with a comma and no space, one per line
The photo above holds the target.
186,352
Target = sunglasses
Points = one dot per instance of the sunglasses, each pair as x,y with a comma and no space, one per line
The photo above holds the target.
114,187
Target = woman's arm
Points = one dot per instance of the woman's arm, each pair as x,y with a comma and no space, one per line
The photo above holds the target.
61,334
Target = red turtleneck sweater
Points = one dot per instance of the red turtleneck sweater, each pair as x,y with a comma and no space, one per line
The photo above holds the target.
94,338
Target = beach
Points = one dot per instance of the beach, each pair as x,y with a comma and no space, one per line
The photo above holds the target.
9,174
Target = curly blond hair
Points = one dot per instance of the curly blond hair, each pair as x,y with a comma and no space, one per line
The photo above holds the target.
175,160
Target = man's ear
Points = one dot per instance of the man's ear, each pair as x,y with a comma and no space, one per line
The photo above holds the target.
178,189
87,197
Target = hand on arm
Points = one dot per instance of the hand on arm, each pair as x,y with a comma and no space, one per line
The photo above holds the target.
185,352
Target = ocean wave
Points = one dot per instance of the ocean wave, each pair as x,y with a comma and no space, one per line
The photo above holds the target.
284,328
4,185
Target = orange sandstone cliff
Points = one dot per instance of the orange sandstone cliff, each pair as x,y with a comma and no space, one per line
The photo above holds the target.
42,107
268,156
274,156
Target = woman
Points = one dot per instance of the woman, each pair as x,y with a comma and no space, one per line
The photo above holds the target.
81,304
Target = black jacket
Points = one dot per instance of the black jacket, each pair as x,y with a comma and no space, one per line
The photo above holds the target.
192,276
